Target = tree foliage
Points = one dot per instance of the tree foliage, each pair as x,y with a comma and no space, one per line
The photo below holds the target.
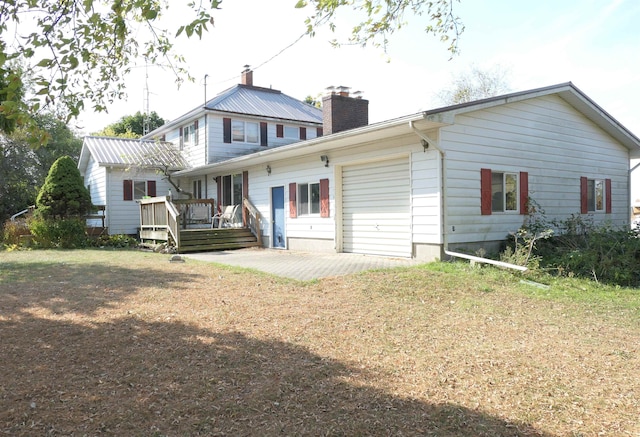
476,84
63,194
382,18
132,126
23,168
81,50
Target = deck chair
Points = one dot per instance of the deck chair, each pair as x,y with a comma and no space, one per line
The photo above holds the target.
227,218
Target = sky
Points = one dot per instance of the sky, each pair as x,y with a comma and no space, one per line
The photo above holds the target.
593,43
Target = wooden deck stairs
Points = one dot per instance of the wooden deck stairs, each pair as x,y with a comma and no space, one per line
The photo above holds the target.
199,240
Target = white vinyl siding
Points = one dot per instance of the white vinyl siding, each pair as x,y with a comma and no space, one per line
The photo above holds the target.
376,208
545,137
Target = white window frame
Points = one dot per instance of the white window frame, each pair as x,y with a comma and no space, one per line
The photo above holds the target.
596,195
245,132
501,196
140,189
306,204
189,135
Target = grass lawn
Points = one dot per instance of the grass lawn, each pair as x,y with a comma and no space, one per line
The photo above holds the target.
126,343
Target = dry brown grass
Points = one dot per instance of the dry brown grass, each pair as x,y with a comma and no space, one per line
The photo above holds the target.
125,343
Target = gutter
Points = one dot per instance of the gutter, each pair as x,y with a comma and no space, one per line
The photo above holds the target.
428,142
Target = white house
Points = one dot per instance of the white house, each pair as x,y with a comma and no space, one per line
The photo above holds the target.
240,120
119,171
454,178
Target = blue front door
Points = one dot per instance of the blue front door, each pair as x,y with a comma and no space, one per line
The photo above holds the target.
277,217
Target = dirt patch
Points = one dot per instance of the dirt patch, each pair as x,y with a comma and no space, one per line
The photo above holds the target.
126,343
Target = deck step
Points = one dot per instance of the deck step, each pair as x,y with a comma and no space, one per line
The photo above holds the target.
198,240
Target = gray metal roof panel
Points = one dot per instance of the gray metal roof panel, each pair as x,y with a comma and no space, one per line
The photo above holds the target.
264,102
125,151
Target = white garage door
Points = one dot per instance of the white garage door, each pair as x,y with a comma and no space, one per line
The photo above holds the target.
376,208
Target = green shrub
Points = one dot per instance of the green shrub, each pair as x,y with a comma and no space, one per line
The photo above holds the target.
115,241
13,231
576,247
63,194
67,233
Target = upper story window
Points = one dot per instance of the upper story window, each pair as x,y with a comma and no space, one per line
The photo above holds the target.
189,135
245,131
309,199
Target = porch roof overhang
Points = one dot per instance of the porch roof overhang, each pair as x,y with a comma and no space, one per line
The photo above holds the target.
322,145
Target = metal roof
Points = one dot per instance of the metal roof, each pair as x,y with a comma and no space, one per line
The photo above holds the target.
264,102
128,152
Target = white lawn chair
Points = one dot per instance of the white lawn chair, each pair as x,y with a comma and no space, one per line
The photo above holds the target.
228,218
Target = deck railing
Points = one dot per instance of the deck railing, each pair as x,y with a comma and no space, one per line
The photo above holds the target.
159,218
195,211
251,219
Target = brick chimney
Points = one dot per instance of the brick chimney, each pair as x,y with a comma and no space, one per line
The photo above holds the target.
342,112
247,76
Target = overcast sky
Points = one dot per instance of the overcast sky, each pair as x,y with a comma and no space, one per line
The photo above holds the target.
593,43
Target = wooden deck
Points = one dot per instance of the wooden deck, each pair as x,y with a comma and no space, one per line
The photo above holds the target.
163,220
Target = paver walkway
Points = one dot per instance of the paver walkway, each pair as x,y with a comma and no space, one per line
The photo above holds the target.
302,266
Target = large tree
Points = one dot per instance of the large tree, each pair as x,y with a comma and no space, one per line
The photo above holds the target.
80,51
132,126
378,19
475,84
23,168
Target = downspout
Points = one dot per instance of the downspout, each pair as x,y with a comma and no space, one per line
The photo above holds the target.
445,243
631,170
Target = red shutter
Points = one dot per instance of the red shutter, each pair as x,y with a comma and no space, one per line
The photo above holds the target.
151,188
181,139
279,131
127,189
584,205
226,130
319,131
607,189
263,134
196,133
293,208
195,125
485,191
324,198
163,138
524,192
303,133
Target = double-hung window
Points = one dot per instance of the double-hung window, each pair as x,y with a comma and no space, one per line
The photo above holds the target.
309,198
503,192
595,195
189,135
135,190
245,131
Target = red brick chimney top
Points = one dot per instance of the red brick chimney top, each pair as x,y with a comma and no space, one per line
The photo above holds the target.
247,76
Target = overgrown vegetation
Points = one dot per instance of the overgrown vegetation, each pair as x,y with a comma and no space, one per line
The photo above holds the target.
576,247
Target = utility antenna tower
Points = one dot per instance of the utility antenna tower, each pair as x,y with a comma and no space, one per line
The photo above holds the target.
146,120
